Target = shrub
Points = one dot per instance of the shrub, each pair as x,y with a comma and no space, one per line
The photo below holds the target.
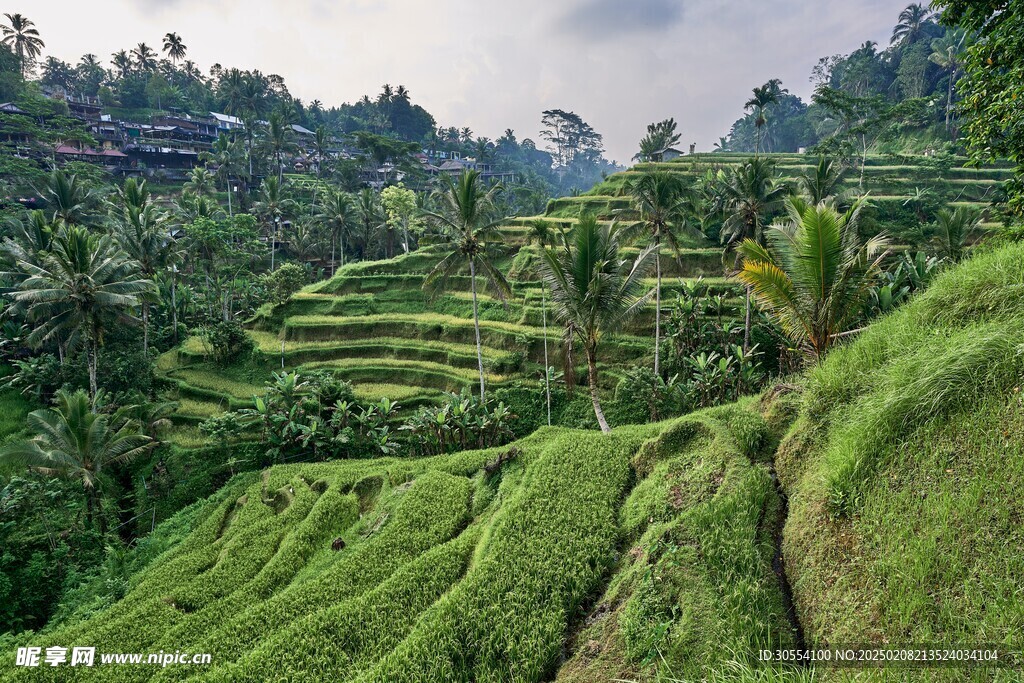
228,340
284,282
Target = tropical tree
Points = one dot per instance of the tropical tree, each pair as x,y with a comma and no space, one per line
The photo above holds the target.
67,199
75,441
540,233
400,204
321,151
764,96
371,217
274,206
750,195
911,24
659,204
84,280
465,218
947,55
340,215
595,290
822,181
953,229
174,47
145,57
815,273
21,35
279,140
142,230
200,181
122,62
226,156
659,137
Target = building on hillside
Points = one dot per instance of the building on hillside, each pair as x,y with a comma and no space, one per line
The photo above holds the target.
667,154
488,172
226,123
204,127
16,129
108,133
113,160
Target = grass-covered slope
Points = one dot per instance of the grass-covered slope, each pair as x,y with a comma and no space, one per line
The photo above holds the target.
373,325
890,182
905,471
454,568
884,487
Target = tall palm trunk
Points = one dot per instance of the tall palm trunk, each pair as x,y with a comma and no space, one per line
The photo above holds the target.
174,305
949,97
746,323
657,304
591,349
547,374
94,353
145,329
476,326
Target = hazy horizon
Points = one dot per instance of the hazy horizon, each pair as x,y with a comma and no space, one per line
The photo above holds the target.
619,65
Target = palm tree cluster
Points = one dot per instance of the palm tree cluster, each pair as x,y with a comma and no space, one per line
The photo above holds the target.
74,280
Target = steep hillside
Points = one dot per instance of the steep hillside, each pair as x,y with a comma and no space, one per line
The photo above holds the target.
373,325
653,552
889,181
905,471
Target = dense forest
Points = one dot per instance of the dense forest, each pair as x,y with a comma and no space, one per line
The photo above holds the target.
899,99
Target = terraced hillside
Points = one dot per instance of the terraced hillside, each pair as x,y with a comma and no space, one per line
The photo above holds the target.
649,554
889,182
373,325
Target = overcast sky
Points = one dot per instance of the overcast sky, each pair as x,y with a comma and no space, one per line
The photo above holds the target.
490,65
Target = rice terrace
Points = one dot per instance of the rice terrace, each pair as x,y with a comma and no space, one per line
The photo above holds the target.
497,376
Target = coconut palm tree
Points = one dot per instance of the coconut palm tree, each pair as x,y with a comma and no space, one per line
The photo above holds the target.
371,216
953,229
145,57
279,141
174,47
750,195
122,62
226,155
141,229
659,203
822,181
764,96
273,207
911,24
594,290
67,199
321,148
947,55
84,280
540,234
200,181
815,273
21,35
75,441
340,215
465,218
